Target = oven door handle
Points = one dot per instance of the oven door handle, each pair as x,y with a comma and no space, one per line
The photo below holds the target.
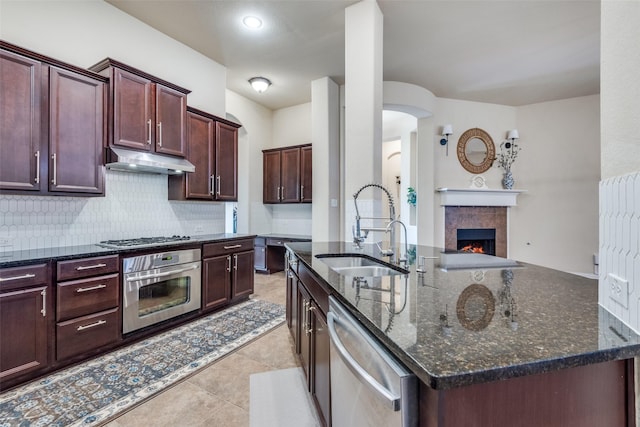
165,274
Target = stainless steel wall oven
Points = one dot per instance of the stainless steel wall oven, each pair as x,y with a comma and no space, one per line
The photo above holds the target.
160,286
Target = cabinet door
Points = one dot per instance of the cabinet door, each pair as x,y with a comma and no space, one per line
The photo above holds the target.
242,275
290,176
23,332
20,103
132,111
321,390
226,155
306,176
271,177
216,286
200,134
76,120
170,121
293,312
304,334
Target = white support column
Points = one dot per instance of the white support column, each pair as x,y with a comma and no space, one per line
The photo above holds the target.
363,109
325,122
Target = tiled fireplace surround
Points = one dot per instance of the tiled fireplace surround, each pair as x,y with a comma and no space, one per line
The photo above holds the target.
461,217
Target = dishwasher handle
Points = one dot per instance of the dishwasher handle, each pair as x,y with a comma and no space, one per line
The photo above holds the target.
392,399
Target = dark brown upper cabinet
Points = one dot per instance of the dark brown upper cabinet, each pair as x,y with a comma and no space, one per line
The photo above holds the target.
145,113
287,175
212,147
52,126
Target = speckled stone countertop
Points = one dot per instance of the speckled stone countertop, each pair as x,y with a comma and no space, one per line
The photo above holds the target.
290,237
18,258
473,318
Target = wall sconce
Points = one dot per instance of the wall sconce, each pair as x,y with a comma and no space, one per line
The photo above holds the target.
446,131
513,135
260,84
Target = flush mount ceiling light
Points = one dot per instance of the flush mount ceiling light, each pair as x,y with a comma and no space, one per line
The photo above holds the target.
252,22
259,84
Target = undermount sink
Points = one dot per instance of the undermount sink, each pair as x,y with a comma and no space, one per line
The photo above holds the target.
358,266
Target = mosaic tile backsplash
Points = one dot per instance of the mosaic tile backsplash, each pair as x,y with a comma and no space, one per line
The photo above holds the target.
619,281
135,205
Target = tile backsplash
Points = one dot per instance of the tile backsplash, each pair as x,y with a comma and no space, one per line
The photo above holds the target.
135,205
619,278
291,219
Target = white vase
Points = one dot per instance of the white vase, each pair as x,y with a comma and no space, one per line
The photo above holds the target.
507,180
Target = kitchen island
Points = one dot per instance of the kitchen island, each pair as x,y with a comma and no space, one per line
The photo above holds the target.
492,341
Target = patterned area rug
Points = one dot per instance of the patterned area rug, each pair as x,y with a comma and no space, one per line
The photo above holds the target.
96,391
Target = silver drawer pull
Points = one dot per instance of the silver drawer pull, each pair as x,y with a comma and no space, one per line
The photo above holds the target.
37,154
92,288
233,247
91,325
25,276
44,303
89,267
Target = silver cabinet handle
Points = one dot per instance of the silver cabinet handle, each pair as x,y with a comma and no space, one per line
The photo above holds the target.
149,131
281,193
218,185
37,154
229,263
235,261
91,325
302,192
53,160
392,400
89,267
233,247
44,303
92,288
212,185
24,276
160,134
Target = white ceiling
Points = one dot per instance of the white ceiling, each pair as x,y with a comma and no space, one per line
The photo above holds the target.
514,52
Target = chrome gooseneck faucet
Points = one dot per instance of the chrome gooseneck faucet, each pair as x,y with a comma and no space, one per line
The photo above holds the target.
358,236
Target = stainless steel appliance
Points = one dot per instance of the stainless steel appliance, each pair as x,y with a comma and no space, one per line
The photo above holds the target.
142,242
160,286
369,387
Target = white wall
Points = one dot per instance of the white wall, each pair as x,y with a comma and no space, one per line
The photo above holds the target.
556,222
291,126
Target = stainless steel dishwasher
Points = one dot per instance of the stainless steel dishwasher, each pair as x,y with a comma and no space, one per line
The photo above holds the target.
369,387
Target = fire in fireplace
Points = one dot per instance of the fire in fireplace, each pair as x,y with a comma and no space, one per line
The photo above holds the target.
477,240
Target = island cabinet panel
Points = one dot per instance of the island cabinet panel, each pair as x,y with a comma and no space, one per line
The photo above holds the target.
52,126
306,176
212,147
25,322
596,395
307,321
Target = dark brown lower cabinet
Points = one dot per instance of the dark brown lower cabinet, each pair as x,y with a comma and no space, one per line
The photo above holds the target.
216,284
25,321
307,322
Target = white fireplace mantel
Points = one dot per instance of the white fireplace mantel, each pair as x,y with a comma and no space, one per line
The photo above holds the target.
477,197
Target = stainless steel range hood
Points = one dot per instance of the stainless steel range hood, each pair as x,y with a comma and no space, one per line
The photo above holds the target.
142,162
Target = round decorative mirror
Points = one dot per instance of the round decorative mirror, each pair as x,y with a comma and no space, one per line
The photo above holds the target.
476,151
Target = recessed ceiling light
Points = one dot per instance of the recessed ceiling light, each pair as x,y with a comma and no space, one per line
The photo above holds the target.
252,22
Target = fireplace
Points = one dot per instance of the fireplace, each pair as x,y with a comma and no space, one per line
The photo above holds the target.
477,240
465,218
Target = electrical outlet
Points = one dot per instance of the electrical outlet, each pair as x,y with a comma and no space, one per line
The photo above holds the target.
198,229
619,290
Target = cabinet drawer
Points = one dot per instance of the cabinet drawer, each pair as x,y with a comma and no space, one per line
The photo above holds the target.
87,267
276,242
30,275
213,249
87,333
82,297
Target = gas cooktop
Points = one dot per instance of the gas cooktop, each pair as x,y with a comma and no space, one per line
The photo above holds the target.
142,242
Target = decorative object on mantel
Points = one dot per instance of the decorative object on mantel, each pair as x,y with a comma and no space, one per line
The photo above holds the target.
476,151
508,153
478,181
411,196
446,131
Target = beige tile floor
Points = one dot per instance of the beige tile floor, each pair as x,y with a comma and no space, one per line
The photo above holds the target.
219,394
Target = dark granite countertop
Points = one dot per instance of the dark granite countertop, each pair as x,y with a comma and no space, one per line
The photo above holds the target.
473,318
18,258
290,237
